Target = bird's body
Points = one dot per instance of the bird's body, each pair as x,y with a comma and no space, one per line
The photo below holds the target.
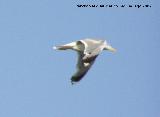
88,50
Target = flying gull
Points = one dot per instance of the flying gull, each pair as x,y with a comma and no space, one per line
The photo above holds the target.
88,50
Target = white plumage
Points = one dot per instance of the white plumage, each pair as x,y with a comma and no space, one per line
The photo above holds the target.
88,50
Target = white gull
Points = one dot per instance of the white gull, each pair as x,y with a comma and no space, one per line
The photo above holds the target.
88,50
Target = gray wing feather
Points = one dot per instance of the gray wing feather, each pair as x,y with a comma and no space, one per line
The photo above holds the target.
86,58
82,69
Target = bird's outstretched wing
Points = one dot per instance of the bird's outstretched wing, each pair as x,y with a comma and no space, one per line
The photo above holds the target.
65,47
82,68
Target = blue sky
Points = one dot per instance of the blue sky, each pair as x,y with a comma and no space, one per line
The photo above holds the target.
35,79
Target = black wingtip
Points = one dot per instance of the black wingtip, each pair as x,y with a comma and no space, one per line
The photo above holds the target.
76,79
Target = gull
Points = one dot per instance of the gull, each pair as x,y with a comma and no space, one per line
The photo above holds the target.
88,49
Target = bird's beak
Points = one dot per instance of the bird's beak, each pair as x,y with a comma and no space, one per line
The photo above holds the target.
110,48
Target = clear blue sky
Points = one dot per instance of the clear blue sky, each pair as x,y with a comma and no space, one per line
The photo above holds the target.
35,80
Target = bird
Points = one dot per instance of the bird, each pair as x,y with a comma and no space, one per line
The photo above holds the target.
88,50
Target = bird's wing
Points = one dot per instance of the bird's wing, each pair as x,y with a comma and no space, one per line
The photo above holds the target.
82,68
66,46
